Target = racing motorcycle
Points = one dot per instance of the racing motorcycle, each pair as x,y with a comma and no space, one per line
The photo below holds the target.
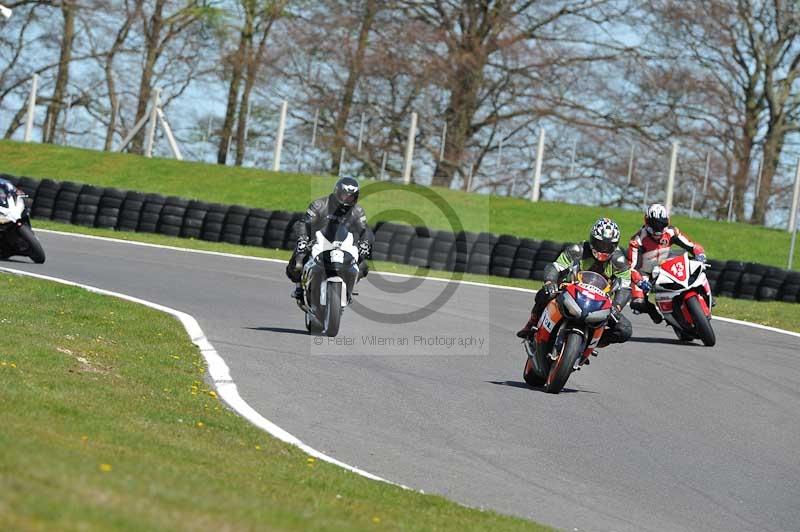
16,235
568,331
328,279
683,297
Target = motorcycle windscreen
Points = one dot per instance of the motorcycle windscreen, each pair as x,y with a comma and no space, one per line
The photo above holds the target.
336,232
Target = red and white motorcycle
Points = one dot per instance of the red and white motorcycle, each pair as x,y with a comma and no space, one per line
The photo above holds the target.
683,297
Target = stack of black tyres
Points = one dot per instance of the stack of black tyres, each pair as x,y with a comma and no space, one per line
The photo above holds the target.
480,257
193,219
548,253
45,200
729,280
151,212
87,206
233,226
172,215
400,244
770,286
525,258
279,230
66,198
443,251
255,228
503,255
130,211
213,222
383,239
109,208
790,289
714,273
30,187
419,249
464,243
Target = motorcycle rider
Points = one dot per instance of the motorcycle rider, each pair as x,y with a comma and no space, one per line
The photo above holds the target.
599,254
648,248
340,206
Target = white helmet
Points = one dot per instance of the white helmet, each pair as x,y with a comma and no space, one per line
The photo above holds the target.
656,219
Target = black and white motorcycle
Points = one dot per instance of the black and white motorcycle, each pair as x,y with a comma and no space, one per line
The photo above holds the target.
16,235
329,276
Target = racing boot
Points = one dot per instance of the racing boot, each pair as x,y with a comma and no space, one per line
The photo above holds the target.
530,328
653,312
298,293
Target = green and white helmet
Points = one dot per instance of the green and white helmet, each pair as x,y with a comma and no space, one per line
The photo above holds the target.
604,238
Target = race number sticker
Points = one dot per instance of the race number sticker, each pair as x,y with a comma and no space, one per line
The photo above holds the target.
337,255
677,269
547,323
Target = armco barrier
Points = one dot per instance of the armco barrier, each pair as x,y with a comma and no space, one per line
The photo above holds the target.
481,253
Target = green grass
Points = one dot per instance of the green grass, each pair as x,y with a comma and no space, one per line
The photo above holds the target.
107,424
772,313
416,205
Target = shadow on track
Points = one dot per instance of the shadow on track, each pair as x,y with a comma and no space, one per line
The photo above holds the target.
520,384
666,341
282,330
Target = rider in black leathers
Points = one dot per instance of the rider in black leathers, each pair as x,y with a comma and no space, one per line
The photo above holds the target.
341,206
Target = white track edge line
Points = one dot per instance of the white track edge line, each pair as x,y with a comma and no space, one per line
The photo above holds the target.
218,370
389,274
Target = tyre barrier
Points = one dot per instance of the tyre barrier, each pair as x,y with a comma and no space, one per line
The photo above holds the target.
479,253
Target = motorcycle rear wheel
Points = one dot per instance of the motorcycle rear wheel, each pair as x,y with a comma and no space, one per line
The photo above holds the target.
530,376
35,251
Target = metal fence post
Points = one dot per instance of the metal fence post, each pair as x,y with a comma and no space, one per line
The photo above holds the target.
31,107
630,166
795,198
705,176
151,127
383,166
441,145
276,160
691,207
730,205
341,161
537,169
412,132
314,129
673,163
5,11
361,132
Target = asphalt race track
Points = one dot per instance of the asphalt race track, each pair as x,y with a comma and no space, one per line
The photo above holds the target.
654,435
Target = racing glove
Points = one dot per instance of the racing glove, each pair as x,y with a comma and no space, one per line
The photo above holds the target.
550,290
363,249
645,285
701,257
614,314
302,244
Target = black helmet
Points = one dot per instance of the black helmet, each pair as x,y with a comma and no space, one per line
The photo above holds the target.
346,191
656,219
604,238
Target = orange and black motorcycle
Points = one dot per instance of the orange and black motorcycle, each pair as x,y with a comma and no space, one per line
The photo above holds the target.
568,331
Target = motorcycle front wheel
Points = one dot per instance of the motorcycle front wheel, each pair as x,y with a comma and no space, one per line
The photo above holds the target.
333,310
701,322
561,369
35,250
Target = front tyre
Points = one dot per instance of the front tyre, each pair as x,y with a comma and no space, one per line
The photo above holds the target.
333,309
561,369
701,322
35,250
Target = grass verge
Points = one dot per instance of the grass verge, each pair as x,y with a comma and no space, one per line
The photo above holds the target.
772,313
107,424
415,205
